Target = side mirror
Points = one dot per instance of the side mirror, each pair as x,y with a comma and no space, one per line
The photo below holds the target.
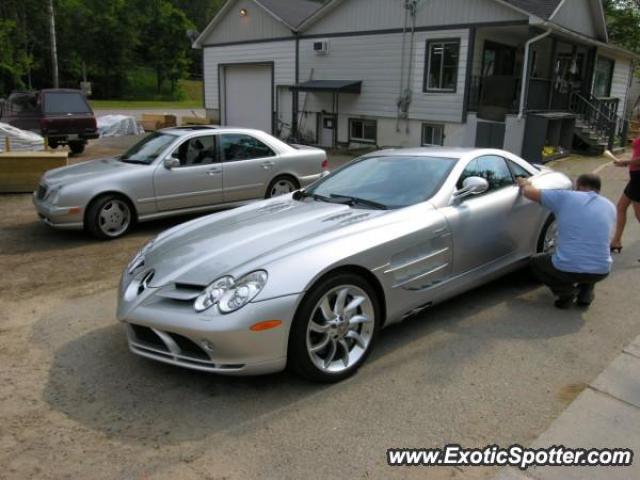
472,186
171,163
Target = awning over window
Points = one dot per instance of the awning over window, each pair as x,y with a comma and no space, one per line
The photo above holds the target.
338,86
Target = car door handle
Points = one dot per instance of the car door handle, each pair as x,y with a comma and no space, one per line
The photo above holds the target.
214,171
267,165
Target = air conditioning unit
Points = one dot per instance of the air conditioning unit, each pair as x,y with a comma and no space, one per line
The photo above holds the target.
321,47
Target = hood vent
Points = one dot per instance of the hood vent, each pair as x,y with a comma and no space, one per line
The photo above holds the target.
347,218
276,207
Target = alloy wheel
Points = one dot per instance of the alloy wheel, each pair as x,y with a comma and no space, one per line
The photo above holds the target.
550,235
340,329
282,187
114,218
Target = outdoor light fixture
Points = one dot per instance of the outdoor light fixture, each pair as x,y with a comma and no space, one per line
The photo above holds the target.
244,12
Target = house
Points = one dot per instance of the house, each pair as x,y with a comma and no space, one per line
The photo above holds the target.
530,76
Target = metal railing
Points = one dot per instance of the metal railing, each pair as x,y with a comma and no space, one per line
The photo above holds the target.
600,116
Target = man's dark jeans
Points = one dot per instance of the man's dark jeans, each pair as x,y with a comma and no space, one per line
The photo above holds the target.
565,285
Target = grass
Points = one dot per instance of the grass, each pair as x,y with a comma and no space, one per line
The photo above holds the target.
145,104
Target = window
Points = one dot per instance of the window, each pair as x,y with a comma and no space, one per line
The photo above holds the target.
432,134
393,181
148,149
363,131
518,171
493,169
441,73
603,77
197,151
65,103
24,103
237,146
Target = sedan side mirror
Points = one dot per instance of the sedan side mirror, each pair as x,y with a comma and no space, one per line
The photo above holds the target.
472,186
171,163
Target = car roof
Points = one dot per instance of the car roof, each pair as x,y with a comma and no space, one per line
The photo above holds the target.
188,129
440,152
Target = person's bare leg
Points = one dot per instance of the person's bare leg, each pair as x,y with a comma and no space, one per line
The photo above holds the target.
622,207
636,209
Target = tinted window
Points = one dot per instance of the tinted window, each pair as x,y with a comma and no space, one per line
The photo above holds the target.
65,103
26,103
197,151
493,169
392,181
148,149
243,147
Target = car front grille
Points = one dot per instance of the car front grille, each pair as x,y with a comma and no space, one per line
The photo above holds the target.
173,348
41,192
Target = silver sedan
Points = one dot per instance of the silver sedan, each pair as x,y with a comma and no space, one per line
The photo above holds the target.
307,280
172,172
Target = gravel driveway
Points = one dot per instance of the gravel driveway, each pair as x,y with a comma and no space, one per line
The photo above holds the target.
496,365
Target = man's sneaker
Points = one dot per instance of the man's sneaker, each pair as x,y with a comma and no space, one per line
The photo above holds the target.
564,303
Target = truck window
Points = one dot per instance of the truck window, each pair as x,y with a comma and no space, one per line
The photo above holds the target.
59,102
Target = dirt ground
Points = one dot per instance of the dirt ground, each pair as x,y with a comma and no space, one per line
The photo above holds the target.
495,366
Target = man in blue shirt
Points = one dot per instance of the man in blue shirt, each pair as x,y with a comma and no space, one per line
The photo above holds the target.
582,256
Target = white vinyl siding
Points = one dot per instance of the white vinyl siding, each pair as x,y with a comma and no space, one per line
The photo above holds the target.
376,60
577,15
365,15
282,53
256,25
620,82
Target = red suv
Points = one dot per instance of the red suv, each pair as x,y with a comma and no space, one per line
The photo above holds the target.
63,116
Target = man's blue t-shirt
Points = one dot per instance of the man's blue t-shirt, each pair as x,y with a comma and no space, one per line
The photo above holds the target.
585,224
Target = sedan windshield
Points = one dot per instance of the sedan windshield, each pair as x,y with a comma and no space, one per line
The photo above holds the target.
384,182
148,149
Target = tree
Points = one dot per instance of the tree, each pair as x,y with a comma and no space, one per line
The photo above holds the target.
623,23
166,46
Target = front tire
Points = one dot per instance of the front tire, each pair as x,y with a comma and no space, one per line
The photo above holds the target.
334,329
109,217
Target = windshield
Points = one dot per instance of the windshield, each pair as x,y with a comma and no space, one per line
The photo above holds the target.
391,182
65,103
148,149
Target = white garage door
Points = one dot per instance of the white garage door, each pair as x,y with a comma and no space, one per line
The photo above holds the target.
248,96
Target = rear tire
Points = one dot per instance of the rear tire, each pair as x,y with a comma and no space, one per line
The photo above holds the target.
282,185
334,329
53,144
109,217
546,241
76,147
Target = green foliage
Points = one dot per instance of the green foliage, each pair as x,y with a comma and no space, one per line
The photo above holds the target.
128,48
623,23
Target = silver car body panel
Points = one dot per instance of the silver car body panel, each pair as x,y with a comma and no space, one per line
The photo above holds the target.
157,192
418,256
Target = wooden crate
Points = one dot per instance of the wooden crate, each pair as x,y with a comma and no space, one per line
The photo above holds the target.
186,121
21,171
152,122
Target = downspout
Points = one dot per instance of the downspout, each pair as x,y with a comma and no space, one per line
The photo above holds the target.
402,55
525,70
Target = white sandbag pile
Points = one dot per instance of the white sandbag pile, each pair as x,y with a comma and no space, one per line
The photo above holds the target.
20,140
118,126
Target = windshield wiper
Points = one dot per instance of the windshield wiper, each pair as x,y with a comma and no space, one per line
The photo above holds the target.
302,194
349,200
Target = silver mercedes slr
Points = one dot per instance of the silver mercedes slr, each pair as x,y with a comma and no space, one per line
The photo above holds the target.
172,172
308,280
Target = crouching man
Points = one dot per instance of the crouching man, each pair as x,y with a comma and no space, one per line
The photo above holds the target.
582,257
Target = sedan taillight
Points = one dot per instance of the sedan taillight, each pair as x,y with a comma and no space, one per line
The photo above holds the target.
325,164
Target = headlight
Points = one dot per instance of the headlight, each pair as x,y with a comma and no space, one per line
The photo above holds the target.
53,193
230,294
139,258
212,294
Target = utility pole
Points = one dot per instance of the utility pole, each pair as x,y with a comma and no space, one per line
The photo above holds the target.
54,48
